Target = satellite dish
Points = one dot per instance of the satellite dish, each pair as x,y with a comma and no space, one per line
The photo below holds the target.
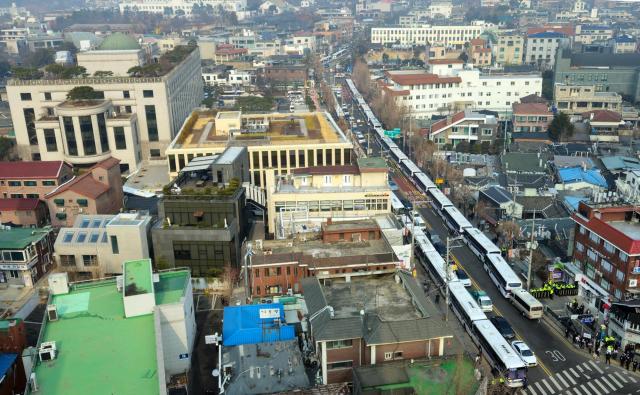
215,373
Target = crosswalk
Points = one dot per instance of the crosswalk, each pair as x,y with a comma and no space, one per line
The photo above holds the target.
588,378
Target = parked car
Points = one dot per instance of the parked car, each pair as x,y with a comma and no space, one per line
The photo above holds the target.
463,277
524,352
503,327
483,300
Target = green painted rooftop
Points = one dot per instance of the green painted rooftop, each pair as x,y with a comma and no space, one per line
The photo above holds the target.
118,42
19,238
137,277
171,287
374,162
99,350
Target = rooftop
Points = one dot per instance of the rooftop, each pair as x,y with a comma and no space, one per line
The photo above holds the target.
19,204
93,335
119,42
137,277
630,229
171,286
36,169
531,108
20,238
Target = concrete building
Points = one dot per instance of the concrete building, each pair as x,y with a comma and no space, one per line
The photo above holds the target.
27,255
96,245
180,7
99,321
449,88
605,125
469,126
628,186
448,35
541,48
313,194
580,98
606,249
135,120
98,191
531,117
24,212
32,179
589,34
624,324
203,219
613,73
282,142
496,204
509,49
479,52
624,44
391,319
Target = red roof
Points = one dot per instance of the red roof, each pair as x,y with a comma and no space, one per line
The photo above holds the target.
614,236
36,169
322,170
602,116
18,204
531,108
107,163
443,123
477,41
422,78
85,184
445,61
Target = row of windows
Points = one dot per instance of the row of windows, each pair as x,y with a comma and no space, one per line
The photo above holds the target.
333,205
30,183
70,260
20,196
118,135
147,93
610,248
274,271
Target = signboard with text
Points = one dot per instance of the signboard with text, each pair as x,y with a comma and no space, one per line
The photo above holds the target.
269,313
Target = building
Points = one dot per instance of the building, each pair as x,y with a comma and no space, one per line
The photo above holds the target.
628,186
12,374
624,323
313,194
496,204
509,49
607,249
32,179
469,126
613,73
96,245
99,321
13,335
577,178
27,254
589,34
541,48
25,212
579,98
448,35
179,7
531,117
97,191
624,44
228,53
135,119
604,125
479,52
369,321
450,88
341,250
439,9
274,141
203,219
286,74
524,173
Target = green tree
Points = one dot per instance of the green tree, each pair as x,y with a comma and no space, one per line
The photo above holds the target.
561,127
39,58
26,73
385,57
6,144
254,103
103,73
83,93
135,71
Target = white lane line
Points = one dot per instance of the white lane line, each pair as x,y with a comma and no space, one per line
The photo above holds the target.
608,383
573,372
548,385
633,380
539,387
595,390
576,391
606,390
615,381
569,377
596,367
559,376
580,368
531,391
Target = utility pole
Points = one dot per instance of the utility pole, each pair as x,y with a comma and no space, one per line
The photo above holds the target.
531,248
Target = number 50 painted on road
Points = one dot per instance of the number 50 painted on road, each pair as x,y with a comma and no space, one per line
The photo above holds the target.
556,355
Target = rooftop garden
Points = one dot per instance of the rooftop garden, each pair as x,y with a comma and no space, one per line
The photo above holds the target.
188,189
165,64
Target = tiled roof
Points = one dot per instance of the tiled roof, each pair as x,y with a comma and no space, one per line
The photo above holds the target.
531,108
36,169
328,170
602,116
498,194
84,185
568,29
548,34
422,78
443,123
107,163
12,204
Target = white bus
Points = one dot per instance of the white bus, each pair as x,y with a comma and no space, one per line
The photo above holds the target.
454,220
432,262
480,244
499,353
439,199
502,275
396,204
527,304
464,306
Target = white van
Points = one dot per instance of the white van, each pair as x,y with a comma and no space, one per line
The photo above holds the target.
526,303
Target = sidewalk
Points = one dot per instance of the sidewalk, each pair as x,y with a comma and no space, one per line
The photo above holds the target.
13,299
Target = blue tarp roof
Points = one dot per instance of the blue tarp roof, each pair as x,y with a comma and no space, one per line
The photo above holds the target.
578,174
615,163
572,202
243,325
6,361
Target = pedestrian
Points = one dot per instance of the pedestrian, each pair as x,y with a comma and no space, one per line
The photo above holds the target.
607,356
525,383
566,332
627,363
437,298
635,365
622,357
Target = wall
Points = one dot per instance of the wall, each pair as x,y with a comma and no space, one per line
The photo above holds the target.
34,218
352,353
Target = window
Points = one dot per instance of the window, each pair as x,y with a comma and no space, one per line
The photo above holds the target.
48,183
346,180
126,94
114,245
579,247
152,123
83,202
583,230
619,276
47,96
89,260
606,266
86,134
154,153
147,93
339,344
70,136
25,96
623,256
32,196
327,181
340,365
61,216
17,196
119,137
609,247
102,132
487,132
59,202
50,140
30,123
67,260
604,284
15,183
592,255
595,238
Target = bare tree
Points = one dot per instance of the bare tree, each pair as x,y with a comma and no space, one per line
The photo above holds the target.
508,232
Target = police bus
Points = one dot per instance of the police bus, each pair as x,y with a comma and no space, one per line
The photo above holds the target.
480,244
527,304
464,306
454,220
501,274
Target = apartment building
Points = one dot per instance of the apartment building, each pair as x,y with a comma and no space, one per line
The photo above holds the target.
32,179
282,142
607,249
578,99
531,117
26,255
135,119
24,212
479,52
624,44
469,126
311,195
180,7
541,48
509,49
449,88
448,35
589,34
96,245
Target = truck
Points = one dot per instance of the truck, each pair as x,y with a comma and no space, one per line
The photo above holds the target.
482,298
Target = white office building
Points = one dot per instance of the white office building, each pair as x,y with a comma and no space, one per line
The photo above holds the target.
449,35
180,7
541,48
449,87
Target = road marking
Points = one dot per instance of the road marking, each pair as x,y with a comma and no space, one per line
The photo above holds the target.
608,383
556,383
630,377
621,377
570,378
531,390
577,391
548,385
596,367
615,381
559,376
580,368
574,372
594,388
539,386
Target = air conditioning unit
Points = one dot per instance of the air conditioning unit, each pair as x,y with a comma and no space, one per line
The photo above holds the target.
52,312
47,351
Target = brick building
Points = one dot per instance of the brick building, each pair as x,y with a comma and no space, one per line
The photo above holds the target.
607,250
32,179
531,117
25,212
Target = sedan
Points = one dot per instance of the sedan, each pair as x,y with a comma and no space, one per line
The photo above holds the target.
503,327
524,352
463,277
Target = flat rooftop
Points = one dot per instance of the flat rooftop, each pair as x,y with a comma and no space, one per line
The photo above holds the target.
317,249
137,277
630,229
149,180
100,351
294,129
382,295
171,287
